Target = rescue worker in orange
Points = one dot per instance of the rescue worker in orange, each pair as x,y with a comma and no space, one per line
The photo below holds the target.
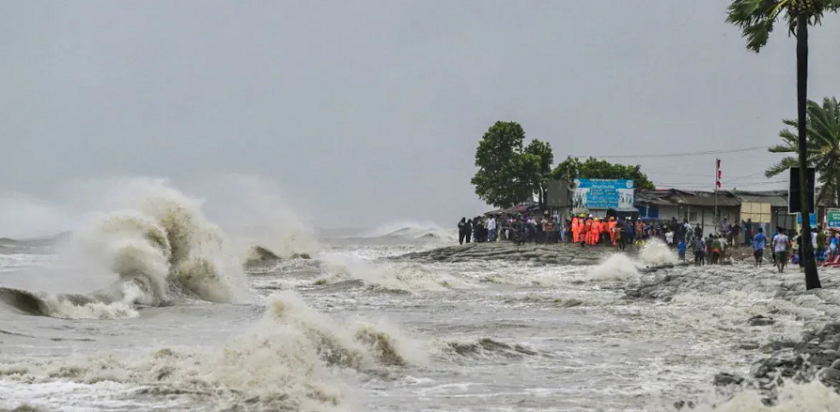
575,229
587,228
611,225
595,232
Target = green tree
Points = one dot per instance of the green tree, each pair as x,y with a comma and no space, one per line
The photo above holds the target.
593,168
541,154
509,173
823,147
568,169
756,19
502,179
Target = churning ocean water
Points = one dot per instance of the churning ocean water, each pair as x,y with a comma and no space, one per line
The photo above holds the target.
153,307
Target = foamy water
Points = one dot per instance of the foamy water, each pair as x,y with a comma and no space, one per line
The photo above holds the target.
350,330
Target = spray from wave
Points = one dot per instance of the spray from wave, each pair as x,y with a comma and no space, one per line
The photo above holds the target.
158,244
657,253
620,267
614,267
253,213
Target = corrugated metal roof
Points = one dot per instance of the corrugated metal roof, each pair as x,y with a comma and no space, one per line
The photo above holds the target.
775,201
707,199
675,197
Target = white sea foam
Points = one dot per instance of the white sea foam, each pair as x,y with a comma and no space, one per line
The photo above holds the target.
793,397
655,253
620,267
293,357
394,276
617,266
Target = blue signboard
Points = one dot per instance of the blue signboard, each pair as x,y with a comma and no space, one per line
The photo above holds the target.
813,219
832,217
603,193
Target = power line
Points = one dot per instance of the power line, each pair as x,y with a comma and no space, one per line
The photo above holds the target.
711,184
711,188
737,178
762,183
669,173
699,153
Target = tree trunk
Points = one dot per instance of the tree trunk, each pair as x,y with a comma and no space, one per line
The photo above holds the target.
812,279
837,186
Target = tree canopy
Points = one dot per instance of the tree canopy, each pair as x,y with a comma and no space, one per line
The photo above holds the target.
509,173
756,18
542,157
593,168
823,147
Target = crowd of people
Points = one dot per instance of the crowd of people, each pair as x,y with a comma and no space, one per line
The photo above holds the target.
619,232
786,245
583,229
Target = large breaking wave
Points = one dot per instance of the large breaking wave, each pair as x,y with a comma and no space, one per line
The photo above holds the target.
160,247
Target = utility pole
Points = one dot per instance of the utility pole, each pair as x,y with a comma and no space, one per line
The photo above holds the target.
717,187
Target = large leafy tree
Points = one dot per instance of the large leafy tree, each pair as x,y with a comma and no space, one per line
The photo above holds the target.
594,168
498,180
508,173
539,154
822,148
756,19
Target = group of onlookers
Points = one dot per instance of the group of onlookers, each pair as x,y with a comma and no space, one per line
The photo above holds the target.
583,229
785,244
619,232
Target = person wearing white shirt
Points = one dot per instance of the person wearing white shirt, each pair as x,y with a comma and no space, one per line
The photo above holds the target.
780,247
491,229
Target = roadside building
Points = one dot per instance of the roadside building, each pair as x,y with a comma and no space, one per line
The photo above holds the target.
698,207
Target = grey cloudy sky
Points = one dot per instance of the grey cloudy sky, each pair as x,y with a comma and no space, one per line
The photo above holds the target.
371,111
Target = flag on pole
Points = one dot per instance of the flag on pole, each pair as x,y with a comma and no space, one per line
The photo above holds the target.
718,175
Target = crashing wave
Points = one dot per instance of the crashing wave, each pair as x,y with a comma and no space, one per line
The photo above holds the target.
291,359
161,249
413,231
620,267
657,253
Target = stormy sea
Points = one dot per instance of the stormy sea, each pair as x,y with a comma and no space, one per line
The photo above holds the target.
149,304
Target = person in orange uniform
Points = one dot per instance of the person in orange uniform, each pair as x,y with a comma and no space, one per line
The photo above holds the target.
611,227
587,227
595,232
575,229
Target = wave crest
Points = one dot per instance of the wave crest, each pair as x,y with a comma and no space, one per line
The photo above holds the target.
165,237
159,245
290,359
413,231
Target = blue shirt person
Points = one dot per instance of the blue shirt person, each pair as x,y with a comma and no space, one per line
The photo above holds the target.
759,242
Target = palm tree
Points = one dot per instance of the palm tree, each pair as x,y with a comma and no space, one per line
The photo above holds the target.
756,19
823,148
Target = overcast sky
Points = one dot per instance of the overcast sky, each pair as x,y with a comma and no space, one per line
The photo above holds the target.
370,111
